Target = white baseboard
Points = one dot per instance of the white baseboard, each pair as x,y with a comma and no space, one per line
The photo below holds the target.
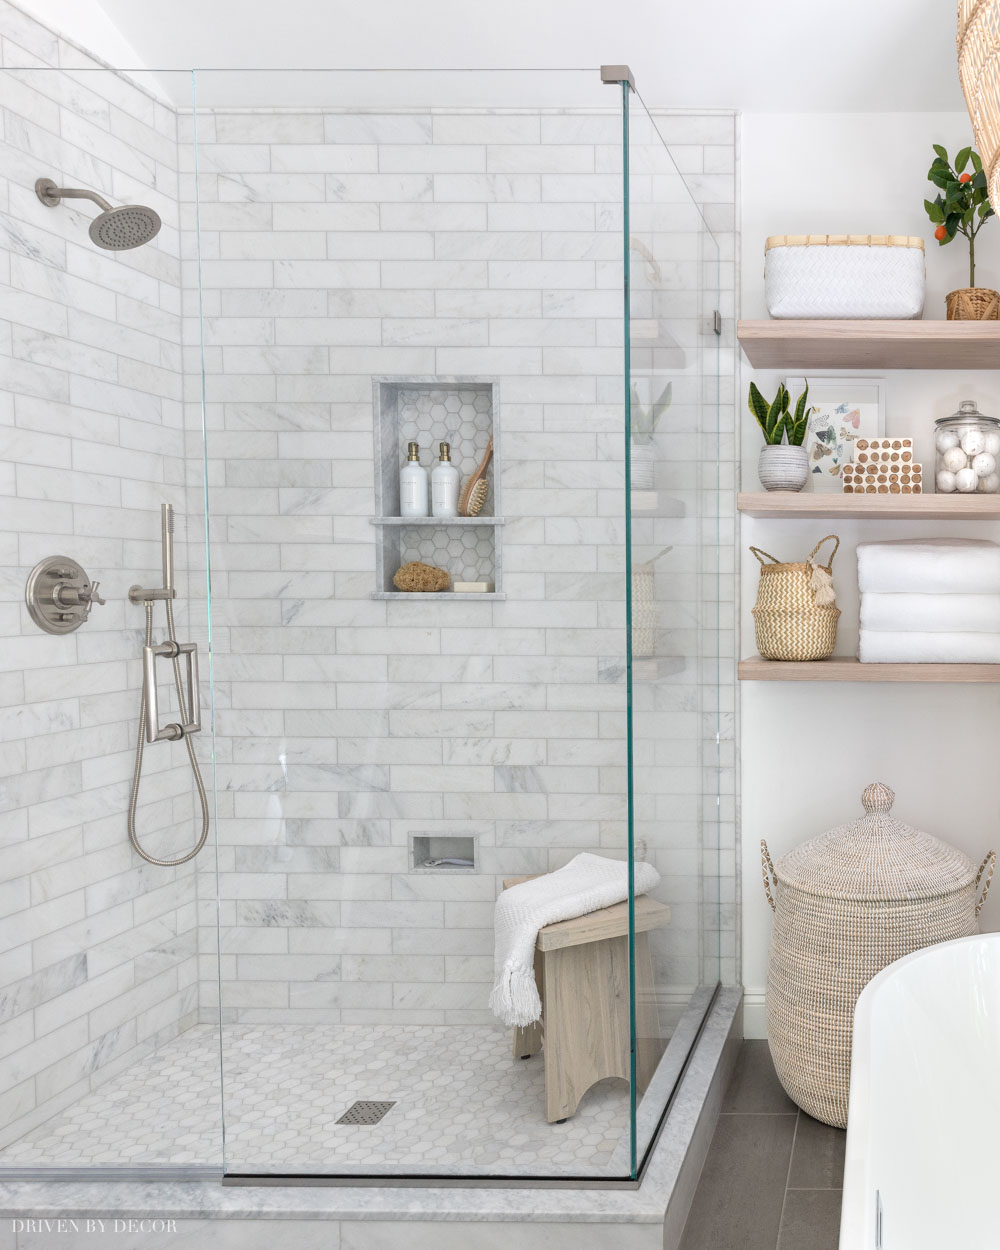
754,1019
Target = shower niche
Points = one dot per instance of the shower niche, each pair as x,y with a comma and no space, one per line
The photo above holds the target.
428,411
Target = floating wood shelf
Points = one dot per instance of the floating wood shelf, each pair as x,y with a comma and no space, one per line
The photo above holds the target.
846,668
871,344
780,503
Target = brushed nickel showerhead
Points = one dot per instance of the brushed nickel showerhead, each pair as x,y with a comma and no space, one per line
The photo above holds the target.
114,229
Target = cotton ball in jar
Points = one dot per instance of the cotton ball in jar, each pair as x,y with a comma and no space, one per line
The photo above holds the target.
990,484
984,464
948,438
993,444
945,482
973,442
954,459
966,481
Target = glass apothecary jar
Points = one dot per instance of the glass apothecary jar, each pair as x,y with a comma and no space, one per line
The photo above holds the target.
967,452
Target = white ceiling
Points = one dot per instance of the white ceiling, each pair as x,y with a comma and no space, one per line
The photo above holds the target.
754,55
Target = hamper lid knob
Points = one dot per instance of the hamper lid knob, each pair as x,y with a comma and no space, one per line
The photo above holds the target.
877,797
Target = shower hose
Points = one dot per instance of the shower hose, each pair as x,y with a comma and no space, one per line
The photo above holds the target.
140,744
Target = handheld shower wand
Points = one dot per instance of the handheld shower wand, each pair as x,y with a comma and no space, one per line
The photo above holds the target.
167,542
188,705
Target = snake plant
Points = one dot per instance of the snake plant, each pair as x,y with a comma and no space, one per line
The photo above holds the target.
775,419
645,420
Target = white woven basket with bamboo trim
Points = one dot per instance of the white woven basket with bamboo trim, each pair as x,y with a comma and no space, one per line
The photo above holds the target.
844,276
796,615
846,904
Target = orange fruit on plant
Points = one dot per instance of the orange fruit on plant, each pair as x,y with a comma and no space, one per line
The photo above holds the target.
965,178
940,232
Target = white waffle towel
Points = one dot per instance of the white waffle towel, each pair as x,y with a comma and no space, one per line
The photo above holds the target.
932,614
587,883
969,566
875,647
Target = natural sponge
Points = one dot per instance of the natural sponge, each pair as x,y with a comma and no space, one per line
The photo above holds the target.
417,576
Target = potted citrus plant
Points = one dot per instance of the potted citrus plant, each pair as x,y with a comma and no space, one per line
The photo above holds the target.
962,206
782,465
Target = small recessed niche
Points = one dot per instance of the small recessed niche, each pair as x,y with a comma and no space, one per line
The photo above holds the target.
429,411
443,852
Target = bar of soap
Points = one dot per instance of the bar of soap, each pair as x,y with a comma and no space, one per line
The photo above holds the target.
470,588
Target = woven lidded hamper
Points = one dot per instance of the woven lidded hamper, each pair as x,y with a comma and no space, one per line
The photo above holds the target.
844,275
796,614
845,905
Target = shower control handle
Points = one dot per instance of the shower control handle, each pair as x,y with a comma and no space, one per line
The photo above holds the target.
59,595
68,595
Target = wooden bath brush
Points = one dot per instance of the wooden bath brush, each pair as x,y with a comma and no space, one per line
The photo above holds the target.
474,491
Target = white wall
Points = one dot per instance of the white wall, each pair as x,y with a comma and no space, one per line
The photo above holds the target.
808,750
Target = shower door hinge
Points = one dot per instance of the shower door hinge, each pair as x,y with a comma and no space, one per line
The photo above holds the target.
717,321
617,74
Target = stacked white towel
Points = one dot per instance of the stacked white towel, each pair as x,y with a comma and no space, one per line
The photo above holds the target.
933,600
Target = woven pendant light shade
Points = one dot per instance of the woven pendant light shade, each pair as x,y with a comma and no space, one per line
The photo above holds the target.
979,74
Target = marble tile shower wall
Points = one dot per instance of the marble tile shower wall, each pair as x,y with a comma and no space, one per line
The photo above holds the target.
340,245
97,952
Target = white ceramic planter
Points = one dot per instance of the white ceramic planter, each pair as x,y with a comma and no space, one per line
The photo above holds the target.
782,467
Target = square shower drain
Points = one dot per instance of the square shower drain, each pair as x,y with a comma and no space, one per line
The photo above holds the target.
365,1112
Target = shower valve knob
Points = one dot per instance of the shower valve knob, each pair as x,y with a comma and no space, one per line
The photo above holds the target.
59,595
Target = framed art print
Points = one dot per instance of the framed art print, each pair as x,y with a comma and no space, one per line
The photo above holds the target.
844,409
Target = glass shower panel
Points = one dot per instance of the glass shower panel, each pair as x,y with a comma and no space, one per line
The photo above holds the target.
676,689
109,1045
390,258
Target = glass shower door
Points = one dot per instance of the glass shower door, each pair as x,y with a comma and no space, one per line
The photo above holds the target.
674,552
400,257
387,258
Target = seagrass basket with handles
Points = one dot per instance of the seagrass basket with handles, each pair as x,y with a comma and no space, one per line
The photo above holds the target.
845,905
796,614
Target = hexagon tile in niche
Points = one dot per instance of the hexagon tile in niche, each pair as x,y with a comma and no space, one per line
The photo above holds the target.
467,554
433,415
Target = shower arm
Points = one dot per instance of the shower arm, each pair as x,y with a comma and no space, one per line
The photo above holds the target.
50,194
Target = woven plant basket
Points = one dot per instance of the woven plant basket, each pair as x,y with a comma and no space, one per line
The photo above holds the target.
645,610
789,622
973,303
845,905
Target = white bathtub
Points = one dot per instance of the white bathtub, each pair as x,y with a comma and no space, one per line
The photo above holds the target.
923,1130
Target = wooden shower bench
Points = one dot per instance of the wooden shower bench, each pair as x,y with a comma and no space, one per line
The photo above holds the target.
582,973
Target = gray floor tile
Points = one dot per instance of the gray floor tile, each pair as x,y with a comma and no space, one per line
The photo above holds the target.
755,1085
818,1156
738,1202
811,1220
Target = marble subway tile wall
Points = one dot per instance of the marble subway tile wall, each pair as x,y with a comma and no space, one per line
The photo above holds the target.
336,246
97,950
